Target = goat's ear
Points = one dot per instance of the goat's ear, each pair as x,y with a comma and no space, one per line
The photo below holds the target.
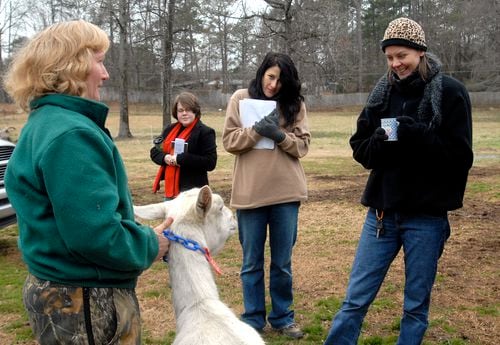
153,211
204,201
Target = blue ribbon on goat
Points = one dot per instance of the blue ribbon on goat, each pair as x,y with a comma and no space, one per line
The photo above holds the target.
191,245
187,243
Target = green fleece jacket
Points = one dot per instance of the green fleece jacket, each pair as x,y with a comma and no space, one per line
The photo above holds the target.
68,185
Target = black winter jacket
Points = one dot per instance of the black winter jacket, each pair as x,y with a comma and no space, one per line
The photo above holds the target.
425,174
201,156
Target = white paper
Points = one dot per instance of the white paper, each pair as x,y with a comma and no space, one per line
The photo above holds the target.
252,110
179,145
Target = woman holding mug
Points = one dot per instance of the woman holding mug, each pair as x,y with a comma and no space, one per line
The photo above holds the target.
414,181
187,166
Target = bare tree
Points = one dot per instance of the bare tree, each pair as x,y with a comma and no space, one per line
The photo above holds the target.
335,44
123,63
220,16
244,54
279,22
45,13
189,36
359,37
10,16
167,33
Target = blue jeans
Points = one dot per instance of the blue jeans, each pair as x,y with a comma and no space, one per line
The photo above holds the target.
422,238
252,223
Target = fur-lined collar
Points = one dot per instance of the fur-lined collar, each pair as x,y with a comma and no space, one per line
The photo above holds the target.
429,109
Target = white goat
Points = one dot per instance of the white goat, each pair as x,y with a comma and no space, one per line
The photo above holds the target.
201,317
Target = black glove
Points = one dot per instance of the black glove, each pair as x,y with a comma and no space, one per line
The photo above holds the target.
274,116
410,129
269,129
379,134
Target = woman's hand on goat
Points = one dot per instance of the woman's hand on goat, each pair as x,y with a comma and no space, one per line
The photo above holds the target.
163,242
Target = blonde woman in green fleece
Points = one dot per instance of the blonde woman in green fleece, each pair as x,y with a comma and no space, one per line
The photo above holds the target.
67,182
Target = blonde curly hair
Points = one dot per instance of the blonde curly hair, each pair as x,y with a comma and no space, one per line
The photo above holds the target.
56,60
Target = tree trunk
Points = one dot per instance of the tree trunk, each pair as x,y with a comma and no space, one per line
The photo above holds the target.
167,34
359,34
124,128
226,88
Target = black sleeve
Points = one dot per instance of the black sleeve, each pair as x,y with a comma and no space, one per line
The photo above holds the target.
365,149
156,155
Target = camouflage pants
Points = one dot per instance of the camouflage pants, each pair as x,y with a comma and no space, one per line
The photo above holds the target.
61,314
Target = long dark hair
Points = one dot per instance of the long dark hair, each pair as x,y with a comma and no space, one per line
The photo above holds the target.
289,97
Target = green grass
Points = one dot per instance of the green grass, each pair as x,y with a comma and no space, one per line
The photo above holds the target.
12,275
148,339
11,280
491,310
325,165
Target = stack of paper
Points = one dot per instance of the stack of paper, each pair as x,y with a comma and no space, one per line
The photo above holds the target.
252,110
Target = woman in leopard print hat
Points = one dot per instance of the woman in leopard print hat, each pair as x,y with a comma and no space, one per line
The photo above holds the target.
414,181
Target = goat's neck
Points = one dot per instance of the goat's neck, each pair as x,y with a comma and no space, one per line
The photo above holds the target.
190,273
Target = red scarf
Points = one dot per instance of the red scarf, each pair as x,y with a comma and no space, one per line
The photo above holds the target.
171,173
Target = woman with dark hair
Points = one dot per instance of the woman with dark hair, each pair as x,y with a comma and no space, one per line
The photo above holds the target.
290,98
187,167
268,187
415,179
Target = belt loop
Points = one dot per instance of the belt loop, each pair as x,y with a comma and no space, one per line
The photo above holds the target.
86,313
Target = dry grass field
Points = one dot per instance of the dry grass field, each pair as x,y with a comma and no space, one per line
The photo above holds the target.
466,297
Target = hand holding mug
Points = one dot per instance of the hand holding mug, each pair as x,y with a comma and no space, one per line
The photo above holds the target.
409,128
170,159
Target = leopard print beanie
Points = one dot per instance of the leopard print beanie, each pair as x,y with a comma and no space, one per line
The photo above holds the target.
404,32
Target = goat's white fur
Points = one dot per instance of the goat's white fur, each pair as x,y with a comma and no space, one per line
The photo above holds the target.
201,317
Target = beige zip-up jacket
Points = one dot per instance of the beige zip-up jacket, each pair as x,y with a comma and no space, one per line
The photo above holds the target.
263,177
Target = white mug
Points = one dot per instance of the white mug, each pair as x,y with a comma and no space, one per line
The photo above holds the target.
390,125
